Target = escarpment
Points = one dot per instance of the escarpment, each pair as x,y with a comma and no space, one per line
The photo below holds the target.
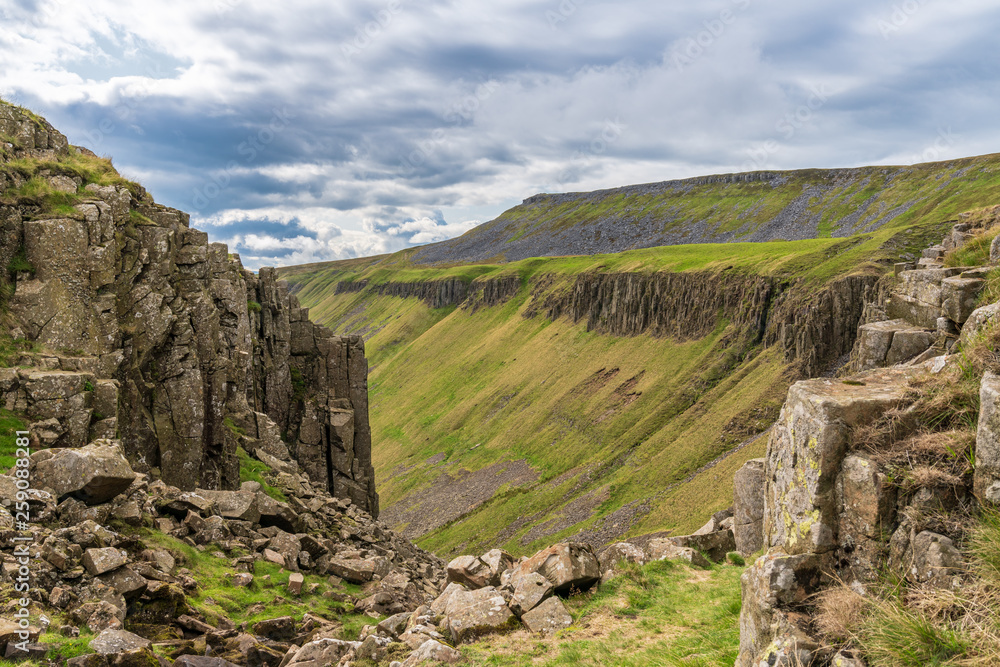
136,327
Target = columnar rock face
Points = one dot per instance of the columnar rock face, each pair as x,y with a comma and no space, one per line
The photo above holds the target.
158,337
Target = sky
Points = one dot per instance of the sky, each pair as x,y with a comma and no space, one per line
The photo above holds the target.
307,130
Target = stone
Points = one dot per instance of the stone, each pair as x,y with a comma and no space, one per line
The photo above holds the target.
908,344
117,641
569,565
321,653
499,561
126,582
238,505
440,604
749,486
202,661
936,561
243,580
433,652
959,296
986,477
95,474
272,556
867,502
807,447
99,561
358,571
665,549
279,629
528,591
295,583
980,321
618,553
714,545
10,632
550,616
472,614
471,572
773,582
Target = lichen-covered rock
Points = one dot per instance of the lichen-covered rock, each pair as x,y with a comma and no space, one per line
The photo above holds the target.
321,653
807,447
99,561
959,295
749,486
979,322
867,502
471,614
527,591
568,565
936,561
618,553
715,545
665,549
433,652
95,473
471,572
118,641
550,616
773,583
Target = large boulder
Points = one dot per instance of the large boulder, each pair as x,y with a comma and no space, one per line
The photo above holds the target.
549,616
714,545
808,446
321,653
867,502
471,614
118,641
748,507
471,572
528,591
622,552
99,561
239,505
95,474
979,322
569,565
433,652
665,549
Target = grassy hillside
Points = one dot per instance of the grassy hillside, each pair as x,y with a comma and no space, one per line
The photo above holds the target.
498,426
761,206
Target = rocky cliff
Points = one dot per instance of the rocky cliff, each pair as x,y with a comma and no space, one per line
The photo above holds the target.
143,330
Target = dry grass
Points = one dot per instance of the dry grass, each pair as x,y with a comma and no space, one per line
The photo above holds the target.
840,613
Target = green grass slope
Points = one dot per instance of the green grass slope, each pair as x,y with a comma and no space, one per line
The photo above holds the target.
760,206
497,426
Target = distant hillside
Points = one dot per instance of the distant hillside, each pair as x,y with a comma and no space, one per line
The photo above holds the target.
758,206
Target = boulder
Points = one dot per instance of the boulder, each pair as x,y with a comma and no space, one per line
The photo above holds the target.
936,561
358,570
529,589
808,446
619,553
118,641
433,652
665,549
279,629
202,661
867,502
986,478
499,561
981,320
99,561
714,545
237,505
95,474
441,603
321,653
774,582
958,297
471,614
126,582
749,484
471,572
549,616
569,565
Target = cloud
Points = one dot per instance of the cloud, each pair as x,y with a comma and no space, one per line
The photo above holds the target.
309,130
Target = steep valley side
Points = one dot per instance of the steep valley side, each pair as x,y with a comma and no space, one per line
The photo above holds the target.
515,405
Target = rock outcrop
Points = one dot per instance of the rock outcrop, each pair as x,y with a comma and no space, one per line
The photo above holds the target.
152,334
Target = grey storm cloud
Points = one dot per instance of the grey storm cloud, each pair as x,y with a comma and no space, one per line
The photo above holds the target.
308,130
